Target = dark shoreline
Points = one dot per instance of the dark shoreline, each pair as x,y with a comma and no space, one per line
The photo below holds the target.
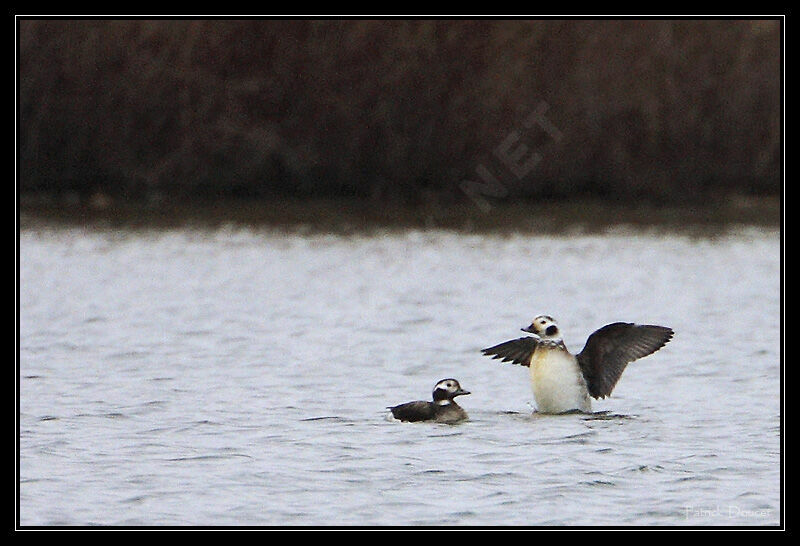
348,216
401,111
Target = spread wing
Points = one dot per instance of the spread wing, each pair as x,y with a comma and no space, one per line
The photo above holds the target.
518,351
413,411
612,347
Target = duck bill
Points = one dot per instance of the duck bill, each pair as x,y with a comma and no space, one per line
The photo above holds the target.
459,392
529,329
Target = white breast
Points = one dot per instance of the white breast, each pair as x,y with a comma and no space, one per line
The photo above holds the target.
557,381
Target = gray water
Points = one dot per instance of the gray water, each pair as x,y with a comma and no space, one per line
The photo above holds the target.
239,377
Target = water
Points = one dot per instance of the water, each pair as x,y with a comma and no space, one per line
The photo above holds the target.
239,377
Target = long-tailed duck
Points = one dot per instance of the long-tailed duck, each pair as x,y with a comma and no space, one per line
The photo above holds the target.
443,409
563,382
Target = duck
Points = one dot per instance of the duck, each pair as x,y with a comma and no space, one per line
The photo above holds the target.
443,409
563,382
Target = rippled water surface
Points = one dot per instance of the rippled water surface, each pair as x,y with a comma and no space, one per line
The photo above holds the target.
239,377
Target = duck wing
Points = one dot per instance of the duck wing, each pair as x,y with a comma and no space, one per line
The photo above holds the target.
611,348
519,351
413,411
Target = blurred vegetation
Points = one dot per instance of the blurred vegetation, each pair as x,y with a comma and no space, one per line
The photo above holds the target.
395,112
